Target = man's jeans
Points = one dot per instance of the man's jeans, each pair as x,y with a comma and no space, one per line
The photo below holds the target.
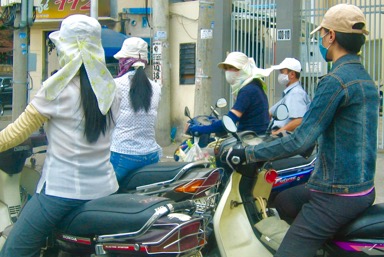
37,220
319,216
124,163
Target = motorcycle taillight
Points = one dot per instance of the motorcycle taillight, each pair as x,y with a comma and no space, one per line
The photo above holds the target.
200,185
187,238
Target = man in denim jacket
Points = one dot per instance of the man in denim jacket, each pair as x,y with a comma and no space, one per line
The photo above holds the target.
343,118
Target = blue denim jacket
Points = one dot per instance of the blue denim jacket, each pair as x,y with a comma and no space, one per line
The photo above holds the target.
343,117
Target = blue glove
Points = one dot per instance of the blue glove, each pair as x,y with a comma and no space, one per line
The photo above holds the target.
215,127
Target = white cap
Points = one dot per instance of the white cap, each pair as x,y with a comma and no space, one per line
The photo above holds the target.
288,63
76,27
134,47
235,59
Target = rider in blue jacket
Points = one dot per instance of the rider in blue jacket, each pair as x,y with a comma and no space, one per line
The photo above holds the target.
250,110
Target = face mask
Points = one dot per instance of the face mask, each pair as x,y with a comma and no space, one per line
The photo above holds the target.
283,79
323,49
232,77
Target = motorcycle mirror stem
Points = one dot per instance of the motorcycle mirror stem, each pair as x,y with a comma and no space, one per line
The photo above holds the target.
214,112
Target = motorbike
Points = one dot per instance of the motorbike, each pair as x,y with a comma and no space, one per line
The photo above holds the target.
291,171
115,225
203,140
238,220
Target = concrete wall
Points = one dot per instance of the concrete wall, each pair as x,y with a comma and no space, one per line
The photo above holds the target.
183,29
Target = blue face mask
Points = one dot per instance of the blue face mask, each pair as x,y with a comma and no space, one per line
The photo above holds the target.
323,50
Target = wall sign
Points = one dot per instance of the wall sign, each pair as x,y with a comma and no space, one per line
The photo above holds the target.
157,59
284,34
60,9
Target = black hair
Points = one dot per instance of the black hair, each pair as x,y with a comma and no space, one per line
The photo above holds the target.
95,122
352,42
141,91
297,74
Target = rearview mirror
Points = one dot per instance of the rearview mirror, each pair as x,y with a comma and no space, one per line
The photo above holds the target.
187,113
229,124
221,103
281,112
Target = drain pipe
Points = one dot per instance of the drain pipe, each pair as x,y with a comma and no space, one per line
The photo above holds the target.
95,9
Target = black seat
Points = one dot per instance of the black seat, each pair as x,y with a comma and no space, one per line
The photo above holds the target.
119,213
294,161
158,172
370,224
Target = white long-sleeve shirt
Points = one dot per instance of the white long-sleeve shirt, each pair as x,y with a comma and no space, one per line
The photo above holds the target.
74,168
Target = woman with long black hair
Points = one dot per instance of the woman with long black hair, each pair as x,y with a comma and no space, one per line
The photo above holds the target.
133,142
78,104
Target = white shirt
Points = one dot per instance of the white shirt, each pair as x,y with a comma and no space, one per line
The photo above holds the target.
135,132
297,102
74,168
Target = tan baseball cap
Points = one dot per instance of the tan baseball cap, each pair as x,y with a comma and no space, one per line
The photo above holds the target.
342,18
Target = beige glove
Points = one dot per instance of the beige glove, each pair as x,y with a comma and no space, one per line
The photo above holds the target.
18,131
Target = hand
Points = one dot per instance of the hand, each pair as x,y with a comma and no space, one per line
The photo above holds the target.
236,157
196,130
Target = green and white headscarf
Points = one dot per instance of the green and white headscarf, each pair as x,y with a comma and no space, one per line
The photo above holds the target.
248,73
79,42
248,70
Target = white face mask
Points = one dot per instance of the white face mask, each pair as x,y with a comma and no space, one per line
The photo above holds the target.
283,79
232,77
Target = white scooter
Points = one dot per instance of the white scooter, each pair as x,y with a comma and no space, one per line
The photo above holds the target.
243,205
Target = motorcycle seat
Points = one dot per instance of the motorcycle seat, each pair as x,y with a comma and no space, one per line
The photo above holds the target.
119,213
158,172
370,224
294,161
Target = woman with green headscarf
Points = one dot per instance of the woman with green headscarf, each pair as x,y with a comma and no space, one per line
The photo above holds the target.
78,104
250,110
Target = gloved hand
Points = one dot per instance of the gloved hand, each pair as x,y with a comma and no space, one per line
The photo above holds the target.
239,154
216,126
199,129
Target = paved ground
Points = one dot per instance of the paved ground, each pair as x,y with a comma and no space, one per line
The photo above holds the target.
169,150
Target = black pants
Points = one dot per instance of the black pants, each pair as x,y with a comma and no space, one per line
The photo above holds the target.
316,217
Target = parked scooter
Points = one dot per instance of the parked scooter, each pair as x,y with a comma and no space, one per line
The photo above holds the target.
116,225
243,206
